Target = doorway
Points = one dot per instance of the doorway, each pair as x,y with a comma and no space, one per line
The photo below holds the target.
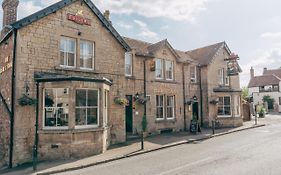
195,110
129,114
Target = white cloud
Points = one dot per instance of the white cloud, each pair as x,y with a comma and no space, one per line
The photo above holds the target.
27,8
271,35
179,10
145,32
124,25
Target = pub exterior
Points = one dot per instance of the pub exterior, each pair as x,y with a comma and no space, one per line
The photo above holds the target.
71,85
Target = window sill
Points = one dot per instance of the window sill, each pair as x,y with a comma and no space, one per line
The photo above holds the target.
74,69
130,77
170,120
70,131
166,81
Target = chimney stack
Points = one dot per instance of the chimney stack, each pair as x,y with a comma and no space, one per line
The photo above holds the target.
106,14
9,14
252,72
264,70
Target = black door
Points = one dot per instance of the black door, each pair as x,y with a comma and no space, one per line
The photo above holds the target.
195,115
129,114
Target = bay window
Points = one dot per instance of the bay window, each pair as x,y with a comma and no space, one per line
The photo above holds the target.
86,54
224,108
68,52
128,64
160,106
56,107
169,70
170,107
86,109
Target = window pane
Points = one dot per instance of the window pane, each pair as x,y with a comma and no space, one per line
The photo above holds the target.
92,98
81,98
220,111
80,116
50,117
62,97
62,58
92,118
170,113
50,96
226,100
71,59
71,46
86,54
227,111
62,117
159,68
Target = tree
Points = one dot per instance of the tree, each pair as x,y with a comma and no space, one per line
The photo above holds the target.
245,93
270,101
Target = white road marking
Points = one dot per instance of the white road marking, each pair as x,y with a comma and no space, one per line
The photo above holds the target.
184,166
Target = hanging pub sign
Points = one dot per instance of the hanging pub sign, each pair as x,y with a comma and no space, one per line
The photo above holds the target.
233,67
78,18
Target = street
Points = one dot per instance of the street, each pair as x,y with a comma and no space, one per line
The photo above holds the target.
250,152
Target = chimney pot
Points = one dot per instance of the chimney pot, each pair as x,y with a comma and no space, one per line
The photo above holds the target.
252,71
106,14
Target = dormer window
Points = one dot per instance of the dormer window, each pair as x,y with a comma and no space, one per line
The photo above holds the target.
128,64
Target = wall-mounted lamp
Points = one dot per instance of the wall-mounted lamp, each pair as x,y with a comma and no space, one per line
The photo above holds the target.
79,33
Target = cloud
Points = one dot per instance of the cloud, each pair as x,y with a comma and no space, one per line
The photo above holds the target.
179,10
271,35
124,25
145,32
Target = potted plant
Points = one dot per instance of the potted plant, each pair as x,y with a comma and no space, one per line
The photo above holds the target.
214,101
26,100
262,112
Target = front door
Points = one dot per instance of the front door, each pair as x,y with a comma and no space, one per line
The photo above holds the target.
195,115
129,114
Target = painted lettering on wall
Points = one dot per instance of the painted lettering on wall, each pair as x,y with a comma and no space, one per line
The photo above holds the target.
78,19
6,67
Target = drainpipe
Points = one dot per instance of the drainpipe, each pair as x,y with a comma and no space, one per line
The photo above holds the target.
5,104
36,140
201,94
13,93
184,107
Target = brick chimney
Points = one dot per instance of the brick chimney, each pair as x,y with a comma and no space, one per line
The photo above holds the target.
252,72
106,14
9,14
264,70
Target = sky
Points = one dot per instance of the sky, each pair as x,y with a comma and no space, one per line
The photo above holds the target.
251,28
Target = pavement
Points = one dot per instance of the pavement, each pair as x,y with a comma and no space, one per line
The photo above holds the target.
132,148
252,151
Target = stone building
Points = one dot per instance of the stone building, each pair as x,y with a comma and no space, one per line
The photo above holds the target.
220,85
71,85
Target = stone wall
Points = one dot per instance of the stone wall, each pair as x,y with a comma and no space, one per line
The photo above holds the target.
6,50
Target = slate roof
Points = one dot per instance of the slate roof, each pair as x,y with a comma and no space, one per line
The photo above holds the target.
61,4
147,49
264,80
276,72
206,54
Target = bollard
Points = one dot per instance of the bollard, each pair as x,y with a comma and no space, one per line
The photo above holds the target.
213,126
142,141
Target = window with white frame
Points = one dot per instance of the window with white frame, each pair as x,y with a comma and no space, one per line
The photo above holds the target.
193,74
224,108
159,69
87,107
68,52
56,107
227,80
221,76
128,64
169,68
160,106
86,54
170,107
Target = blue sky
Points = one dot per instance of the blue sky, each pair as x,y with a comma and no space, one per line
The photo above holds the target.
251,28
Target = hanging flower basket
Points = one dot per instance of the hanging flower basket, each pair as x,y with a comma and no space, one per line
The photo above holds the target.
26,101
121,101
214,102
